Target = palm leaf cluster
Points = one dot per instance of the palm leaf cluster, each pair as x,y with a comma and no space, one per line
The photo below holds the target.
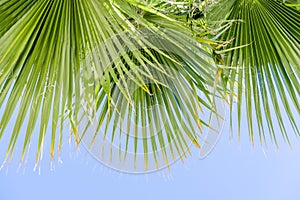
137,74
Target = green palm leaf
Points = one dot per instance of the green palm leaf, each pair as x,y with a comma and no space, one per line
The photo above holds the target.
264,62
55,55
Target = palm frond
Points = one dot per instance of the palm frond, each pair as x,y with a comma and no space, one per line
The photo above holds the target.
263,61
54,55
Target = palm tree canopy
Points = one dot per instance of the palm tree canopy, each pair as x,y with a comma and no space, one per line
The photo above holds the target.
157,62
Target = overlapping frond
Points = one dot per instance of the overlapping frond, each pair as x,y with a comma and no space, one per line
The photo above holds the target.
136,74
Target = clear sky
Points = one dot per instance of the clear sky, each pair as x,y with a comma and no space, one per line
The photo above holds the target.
234,170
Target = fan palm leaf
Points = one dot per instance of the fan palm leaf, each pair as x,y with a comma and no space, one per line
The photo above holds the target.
263,61
55,56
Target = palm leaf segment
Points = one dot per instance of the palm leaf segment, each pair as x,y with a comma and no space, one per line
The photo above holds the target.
57,56
264,60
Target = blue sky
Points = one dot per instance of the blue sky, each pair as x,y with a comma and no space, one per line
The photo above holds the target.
234,170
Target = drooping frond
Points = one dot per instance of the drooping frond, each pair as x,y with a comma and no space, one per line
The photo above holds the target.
56,56
263,60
